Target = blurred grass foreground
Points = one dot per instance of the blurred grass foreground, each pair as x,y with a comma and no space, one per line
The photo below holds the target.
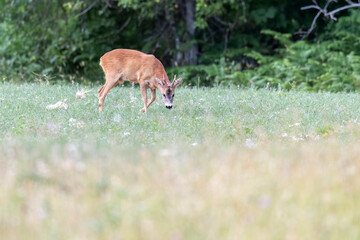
223,164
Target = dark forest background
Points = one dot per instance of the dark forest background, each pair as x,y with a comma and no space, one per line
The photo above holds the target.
232,43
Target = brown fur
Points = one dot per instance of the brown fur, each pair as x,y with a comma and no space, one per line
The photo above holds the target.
121,65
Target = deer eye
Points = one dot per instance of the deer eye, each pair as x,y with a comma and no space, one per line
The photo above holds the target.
173,95
163,95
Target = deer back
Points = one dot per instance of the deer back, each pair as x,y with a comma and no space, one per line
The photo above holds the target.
133,66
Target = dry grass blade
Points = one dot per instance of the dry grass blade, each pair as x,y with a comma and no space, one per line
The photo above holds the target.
58,105
82,93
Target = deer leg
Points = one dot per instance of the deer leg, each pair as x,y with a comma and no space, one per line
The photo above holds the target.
144,96
103,91
100,90
153,97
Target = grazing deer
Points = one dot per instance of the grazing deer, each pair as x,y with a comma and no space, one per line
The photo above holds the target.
121,65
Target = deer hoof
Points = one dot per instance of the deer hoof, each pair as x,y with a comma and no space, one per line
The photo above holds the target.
143,110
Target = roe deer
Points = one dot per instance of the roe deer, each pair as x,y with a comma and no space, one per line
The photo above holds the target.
121,65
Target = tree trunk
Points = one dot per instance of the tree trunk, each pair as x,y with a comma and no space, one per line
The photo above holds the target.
191,53
177,58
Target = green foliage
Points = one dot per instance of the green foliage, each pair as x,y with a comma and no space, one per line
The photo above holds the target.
284,38
331,63
63,43
328,65
65,39
262,15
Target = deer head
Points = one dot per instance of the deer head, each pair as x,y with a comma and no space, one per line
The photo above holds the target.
168,91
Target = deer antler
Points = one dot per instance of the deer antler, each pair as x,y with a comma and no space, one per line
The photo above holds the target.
174,77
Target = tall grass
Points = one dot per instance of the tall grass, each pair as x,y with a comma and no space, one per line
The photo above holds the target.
223,164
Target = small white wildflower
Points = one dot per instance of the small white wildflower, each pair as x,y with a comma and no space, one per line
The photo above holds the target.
264,201
117,118
43,169
80,124
132,98
79,166
40,212
73,122
126,133
284,135
52,127
249,143
194,144
165,152
295,125
296,139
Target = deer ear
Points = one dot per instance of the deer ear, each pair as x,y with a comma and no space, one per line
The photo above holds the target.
158,82
177,82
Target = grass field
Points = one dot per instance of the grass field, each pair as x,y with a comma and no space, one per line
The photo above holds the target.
222,164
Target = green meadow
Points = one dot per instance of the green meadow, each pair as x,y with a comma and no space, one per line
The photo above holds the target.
224,163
